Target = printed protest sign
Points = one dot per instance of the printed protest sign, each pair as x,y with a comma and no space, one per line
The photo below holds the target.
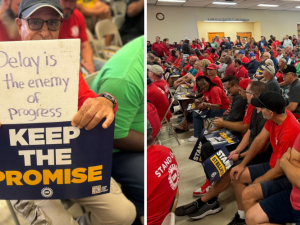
195,154
216,165
221,138
41,154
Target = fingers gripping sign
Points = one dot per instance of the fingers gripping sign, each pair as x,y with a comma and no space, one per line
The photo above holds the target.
92,112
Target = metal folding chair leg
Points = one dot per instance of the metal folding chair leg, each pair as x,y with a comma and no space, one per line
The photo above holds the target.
13,213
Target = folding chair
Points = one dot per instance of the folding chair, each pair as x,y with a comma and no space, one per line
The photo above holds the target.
119,20
119,8
89,79
170,218
168,124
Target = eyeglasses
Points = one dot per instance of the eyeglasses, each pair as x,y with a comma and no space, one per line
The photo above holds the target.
285,74
230,87
250,93
37,24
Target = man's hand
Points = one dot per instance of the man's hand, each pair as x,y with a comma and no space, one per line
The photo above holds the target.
285,157
88,66
258,180
219,122
92,112
232,153
236,172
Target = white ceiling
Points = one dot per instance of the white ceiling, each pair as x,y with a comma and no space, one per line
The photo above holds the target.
286,5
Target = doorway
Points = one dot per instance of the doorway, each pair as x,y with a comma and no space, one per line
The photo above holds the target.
244,35
213,34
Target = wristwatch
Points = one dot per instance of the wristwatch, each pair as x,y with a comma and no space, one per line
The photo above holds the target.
109,97
240,157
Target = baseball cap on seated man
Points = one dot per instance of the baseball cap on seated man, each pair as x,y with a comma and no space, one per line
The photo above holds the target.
242,52
27,7
251,54
186,38
157,70
244,83
212,66
270,69
270,100
288,69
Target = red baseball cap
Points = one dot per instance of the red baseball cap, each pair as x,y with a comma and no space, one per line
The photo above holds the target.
244,83
212,66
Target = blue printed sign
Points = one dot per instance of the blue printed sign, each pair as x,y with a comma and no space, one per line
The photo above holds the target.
216,165
221,138
54,161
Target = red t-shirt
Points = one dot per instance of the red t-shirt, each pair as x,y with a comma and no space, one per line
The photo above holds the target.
163,85
177,62
75,27
196,46
200,57
163,67
279,76
248,114
171,59
218,82
159,48
198,74
187,67
152,116
4,35
163,177
84,91
159,99
242,73
230,70
216,96
210,59
214,56
283,136
167,50
295,194
245,60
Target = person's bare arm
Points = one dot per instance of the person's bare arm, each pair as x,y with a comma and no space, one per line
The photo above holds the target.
235,126
133,142
271,174
292,106
290,163
282,84
87,57
135,8
99,8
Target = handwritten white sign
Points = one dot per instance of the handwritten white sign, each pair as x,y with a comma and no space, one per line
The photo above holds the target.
39,81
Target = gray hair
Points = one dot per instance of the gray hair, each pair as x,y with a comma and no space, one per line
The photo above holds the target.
269,61
283,60
268,54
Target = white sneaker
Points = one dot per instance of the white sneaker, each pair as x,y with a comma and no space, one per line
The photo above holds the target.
192,139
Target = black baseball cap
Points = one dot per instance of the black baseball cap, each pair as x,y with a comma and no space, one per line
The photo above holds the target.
288,69
270,100
27,7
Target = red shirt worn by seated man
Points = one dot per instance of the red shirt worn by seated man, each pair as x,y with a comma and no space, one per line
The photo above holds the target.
167,50
177,62
210,59
196,46
245,60
162,84
283,136
74,27
248,113
159,48
159,99
242,73
216,96
163,176
230,70
279,76
4,36
187,67
295,194
214,56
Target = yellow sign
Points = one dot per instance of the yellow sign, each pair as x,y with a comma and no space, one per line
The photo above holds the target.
218,164
228,139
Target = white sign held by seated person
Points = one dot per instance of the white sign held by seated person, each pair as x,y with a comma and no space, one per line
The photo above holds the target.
39,81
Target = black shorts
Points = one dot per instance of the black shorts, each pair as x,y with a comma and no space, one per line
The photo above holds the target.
269,187
279,209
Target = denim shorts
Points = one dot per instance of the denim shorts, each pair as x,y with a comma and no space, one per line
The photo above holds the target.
269,187
279,209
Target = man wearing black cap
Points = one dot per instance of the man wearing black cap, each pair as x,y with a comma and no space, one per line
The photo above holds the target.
281,130
290,77
41,20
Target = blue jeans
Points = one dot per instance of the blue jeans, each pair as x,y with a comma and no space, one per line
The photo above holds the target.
198,120
128,170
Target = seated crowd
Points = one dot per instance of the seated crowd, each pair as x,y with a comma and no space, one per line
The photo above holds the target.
116,94
250,89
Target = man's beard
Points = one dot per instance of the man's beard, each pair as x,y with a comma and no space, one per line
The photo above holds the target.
68,14
8,20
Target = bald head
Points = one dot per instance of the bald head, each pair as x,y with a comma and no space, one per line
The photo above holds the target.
193,59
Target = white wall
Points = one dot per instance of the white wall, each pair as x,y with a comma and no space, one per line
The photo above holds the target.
180,22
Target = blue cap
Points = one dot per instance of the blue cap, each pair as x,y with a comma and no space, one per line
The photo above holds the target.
281,46
242,52
251,54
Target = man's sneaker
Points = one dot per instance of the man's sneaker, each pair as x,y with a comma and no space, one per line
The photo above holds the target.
203,189
205,210
192,139
186,209
237,220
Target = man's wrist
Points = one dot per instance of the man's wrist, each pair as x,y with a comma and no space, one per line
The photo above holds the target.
111,98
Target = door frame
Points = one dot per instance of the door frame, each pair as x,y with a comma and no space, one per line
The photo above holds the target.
208,34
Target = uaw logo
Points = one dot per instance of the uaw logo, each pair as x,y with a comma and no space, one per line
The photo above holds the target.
47,192
173,176
213,174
